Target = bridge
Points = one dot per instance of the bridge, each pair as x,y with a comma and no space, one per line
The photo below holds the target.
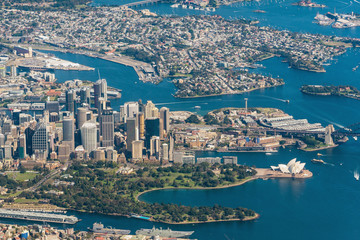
141,3
350,131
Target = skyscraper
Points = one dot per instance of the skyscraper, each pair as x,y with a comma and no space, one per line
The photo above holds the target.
85,95
40,138
141,121
100,91
52,106
131,109
137,148
81,117
70,100
132,132
89,136
107,127
150,110
151,129
22,146
16,116
68,132
165,117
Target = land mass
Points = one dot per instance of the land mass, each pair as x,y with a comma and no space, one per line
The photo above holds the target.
342,91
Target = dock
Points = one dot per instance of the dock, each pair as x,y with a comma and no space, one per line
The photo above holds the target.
38,216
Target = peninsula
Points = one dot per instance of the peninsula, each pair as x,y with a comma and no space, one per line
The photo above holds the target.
342,91
206,55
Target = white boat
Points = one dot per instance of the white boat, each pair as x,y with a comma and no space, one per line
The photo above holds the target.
197,107
355,138
356,175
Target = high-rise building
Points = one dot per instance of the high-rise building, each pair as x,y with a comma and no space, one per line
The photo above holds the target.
141,121
151,129
100,91
165,117
132,132
22,146
154,146
137,150
151,111
68,132
13,71
164,153
89,136
107,127
171,148
2,71
52,106
85,96
16,116
40,138
83,115
131,109
70,100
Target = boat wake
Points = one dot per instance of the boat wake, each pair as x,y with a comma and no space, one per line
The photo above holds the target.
356,175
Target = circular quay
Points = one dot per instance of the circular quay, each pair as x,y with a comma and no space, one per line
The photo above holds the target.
179,119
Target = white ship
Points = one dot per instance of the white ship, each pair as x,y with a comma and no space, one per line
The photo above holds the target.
167,233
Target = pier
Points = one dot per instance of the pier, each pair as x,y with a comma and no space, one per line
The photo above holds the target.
141,3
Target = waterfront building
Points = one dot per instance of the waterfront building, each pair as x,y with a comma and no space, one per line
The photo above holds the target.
293,167
328,131
89,136
68,132
107,127
184,157
230,160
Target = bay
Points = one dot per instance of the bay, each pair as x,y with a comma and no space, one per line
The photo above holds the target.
323,207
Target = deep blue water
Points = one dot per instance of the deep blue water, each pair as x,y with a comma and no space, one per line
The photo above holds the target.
323,207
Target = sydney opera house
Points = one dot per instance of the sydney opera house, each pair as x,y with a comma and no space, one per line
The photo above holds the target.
293,167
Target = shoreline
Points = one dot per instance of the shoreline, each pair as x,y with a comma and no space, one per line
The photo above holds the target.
318,149
221,94
264,174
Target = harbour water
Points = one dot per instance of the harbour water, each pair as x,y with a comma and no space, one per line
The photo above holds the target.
323,207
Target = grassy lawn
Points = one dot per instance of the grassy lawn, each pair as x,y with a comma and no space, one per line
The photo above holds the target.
24,200
22,176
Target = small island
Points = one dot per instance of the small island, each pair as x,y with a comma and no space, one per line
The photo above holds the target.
320,90
308,3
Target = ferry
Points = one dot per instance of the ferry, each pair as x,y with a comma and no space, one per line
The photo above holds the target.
318,161
197,107
165,233
99,228
139,217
